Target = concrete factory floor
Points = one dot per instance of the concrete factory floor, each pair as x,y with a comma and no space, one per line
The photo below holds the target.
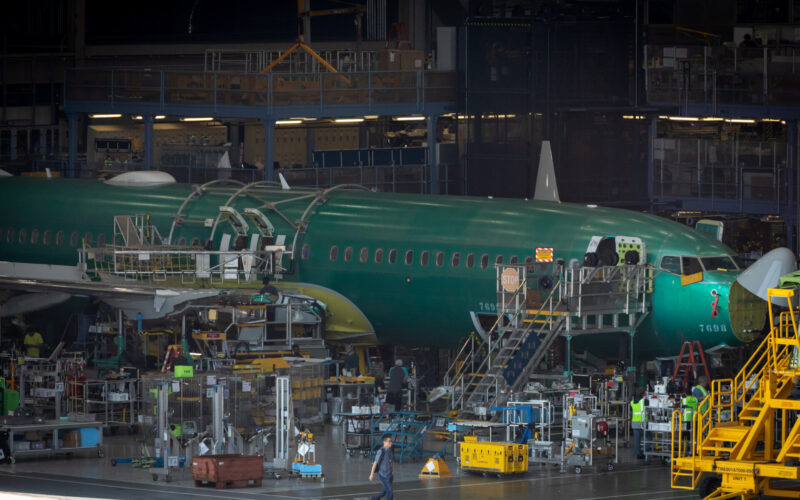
345,478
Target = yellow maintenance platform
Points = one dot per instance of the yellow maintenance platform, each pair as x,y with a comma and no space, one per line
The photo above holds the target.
746,433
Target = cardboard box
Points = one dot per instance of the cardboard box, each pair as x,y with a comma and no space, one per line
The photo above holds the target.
72,439
412,60
118,396
389,60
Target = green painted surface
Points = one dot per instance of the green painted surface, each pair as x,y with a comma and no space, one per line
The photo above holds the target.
408,303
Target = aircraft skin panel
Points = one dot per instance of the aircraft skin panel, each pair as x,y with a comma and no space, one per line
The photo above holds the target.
412,303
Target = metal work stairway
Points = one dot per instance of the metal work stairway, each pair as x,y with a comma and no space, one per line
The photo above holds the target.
582,301
746,432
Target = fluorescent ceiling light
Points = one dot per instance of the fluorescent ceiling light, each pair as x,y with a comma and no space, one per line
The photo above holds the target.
770,120
106,115
633,117
348,120
711,119
684,118
157,117
740,120
196,119
408,118
288,122
370,117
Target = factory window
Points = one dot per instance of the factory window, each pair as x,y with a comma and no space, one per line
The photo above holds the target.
409,257
470,260
59,238
392,256
671,263
34,236
513,260
88,239
334,253
691,265
10,235
456,260
378,255
101,240
348,254
73,239
46,237
498,259
424,257
23,235
439,259
195,242
363,255
305,251
484,261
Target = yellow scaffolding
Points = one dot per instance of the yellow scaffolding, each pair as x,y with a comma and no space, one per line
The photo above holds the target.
746,432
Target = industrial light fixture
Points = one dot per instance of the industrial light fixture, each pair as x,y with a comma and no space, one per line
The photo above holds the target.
770,120
633,117
289,122
408,118
370,117
106,115
740,120
684,118
348,120
711,119
157,117
196,119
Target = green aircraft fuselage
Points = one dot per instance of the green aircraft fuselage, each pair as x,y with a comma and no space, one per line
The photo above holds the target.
414,265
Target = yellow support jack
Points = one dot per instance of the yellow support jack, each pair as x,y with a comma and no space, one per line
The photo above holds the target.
435,467
741,436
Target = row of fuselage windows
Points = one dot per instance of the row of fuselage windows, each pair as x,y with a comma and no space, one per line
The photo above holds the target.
59,238
409,257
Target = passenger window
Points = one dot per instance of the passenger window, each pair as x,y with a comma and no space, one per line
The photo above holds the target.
88,239
10,235
348,254
671,263
392,256
470,260
528,260
513,260
73,239
424,257
498,259
363,255
101,240
378,255
691,265
34,236
456,259
484,261
305,251
439,259
23,235
46,237
195,242
59,238
409,257
334,253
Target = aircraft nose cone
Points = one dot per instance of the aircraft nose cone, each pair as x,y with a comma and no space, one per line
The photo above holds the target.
766,271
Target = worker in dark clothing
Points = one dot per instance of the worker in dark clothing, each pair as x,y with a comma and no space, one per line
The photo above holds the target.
748,42
350,361
384,466
397,378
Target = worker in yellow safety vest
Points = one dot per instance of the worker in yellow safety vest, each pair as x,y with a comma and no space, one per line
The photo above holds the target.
108,162
700,391
33,343
638,422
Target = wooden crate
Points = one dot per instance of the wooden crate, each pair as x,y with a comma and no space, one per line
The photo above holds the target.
227,471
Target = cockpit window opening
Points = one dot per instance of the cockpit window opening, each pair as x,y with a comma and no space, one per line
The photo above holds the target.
671,264
691,265
719,263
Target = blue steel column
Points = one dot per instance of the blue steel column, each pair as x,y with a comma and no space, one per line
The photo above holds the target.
433,162
73,144
269,149
790,213
148,142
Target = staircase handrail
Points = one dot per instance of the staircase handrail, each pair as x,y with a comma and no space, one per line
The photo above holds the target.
466,355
